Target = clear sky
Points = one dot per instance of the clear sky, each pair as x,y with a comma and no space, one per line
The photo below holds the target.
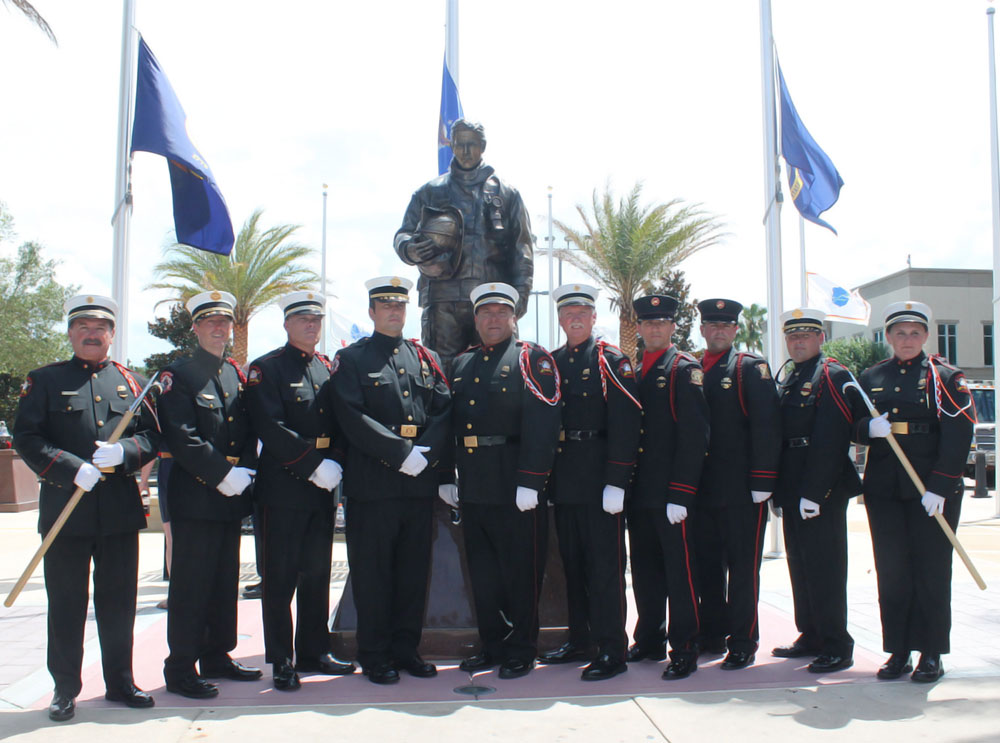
284,97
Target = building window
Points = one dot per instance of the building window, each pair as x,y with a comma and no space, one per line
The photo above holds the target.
988,344
948,341
878,335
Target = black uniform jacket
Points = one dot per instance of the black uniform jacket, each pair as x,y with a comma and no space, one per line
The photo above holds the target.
288,399
207,427
746,430
508,396
390,394
600,422
935,407
64,409
674,434
816,420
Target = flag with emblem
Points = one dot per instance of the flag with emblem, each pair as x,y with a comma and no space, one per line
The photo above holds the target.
812,178
451,111
201,218
839,304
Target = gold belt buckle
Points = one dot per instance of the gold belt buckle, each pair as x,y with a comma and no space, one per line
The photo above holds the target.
106,470
900,428
323,442
562,435
233,460
408,431
471,441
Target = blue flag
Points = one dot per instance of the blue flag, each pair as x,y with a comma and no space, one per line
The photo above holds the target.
812,178
201,218
451,111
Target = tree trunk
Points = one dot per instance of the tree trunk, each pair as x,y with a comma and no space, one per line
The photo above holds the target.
241,332
627,333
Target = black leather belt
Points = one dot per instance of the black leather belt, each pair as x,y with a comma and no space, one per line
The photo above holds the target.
473,442
797,443
407,431
582,435
905,428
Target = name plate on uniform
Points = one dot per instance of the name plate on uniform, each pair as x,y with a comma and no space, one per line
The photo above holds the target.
106,470
233,460
408,431
471,441
323,442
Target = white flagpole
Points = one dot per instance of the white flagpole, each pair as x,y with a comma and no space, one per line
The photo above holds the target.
322,278
552,314
451,39
772,217
995,177
123,195
803,282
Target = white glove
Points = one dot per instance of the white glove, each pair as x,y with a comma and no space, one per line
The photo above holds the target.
108,455
449,494
238,480
879,428
87,476
775,509
614,499
526,499
676,514
327,475
932,503
808,509
759,496
415,461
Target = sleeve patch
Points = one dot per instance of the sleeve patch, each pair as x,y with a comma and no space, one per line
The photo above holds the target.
26,386
960,383
544,366
335,364
625,369
697,377
166,381
254,376
765,372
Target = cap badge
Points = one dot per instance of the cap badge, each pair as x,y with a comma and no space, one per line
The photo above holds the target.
90,300
719,304
309,295
909,305
215,295
797,314
395,281
493,287
576,287
655,301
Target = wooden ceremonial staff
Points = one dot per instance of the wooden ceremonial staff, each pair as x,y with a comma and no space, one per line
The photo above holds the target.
72,503
903,460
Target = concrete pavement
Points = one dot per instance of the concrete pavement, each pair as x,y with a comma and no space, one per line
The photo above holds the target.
774,700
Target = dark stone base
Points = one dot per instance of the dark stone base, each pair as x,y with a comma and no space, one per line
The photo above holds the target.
450,619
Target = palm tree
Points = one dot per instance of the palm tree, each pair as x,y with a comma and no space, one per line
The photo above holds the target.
626,245
34,16
753,326
261,268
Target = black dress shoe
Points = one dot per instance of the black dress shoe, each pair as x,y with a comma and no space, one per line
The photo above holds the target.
567,653
680,668
797,649
514,668
603,667
232,670
639,652
326,664
254,591
284,677
62,708
193,687
896,666
416,666
929,669
131,695
830,663
716,646
736,660
478,662
383,674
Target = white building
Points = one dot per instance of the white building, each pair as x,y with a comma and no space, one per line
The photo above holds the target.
962,320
